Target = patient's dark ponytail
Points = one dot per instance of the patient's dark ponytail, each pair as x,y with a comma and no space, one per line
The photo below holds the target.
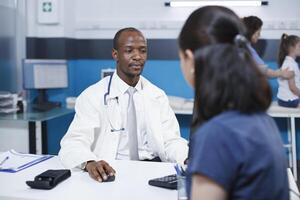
227,78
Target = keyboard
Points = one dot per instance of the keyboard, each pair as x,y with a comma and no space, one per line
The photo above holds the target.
169,182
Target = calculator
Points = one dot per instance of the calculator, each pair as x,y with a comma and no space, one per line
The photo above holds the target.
169,182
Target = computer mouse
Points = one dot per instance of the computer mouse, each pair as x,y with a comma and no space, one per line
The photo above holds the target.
109,178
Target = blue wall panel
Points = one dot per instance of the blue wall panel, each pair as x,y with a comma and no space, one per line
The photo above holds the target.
88,72
56,129
165,74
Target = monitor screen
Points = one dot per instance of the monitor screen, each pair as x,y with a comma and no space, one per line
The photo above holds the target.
44,74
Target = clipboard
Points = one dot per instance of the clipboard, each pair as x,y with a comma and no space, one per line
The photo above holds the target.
12,161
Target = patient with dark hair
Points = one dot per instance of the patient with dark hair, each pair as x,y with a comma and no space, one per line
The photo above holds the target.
236,151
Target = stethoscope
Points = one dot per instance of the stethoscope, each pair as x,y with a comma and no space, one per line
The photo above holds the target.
108,90
111,119
113,128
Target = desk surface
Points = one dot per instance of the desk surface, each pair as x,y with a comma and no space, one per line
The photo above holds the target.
274,111
131,183
278,111
37,116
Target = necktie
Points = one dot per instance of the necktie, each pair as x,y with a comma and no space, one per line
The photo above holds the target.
132,126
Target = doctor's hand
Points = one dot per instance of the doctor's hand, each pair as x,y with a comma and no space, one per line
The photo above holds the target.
99,170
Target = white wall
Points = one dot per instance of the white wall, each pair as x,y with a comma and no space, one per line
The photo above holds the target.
102,18
14,135
12,42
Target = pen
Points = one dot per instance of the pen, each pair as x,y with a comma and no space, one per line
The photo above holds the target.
182,171
178,172
3,161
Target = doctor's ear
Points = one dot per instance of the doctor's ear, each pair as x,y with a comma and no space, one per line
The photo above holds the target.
114,54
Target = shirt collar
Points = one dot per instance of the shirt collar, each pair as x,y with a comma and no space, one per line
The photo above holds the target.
119,87
289,58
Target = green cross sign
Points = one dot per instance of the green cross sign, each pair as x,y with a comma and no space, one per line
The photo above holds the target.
47,7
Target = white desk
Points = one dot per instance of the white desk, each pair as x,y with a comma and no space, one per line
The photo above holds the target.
131,183
290,114
294,192
280,112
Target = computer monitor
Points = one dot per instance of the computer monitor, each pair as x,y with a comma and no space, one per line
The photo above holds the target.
43,75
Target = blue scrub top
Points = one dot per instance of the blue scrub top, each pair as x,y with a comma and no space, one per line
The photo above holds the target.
255,55
243,153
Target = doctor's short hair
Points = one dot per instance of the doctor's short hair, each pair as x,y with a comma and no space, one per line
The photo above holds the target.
119,33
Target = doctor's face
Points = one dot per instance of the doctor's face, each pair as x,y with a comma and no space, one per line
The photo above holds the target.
130,56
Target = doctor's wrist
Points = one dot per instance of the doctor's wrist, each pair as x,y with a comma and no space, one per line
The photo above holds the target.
85,164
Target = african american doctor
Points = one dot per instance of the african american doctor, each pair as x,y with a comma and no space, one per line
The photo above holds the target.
113,123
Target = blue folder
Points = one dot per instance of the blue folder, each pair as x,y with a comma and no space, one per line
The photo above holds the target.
12,161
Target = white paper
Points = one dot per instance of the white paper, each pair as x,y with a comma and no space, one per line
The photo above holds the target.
14,161
4,94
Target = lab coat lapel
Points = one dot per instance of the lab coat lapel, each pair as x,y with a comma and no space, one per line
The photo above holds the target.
113,112
153,124
112,119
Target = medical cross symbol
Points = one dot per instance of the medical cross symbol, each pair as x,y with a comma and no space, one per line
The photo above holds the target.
47,7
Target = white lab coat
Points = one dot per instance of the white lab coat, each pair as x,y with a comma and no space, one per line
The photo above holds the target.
89,136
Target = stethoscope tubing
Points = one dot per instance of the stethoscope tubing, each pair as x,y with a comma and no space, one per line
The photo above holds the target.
108,90
105,103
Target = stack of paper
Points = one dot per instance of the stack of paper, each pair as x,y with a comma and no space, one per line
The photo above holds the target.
8,102
180,103
71,102
12,161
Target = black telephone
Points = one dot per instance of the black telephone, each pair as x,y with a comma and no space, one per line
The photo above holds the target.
49,179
